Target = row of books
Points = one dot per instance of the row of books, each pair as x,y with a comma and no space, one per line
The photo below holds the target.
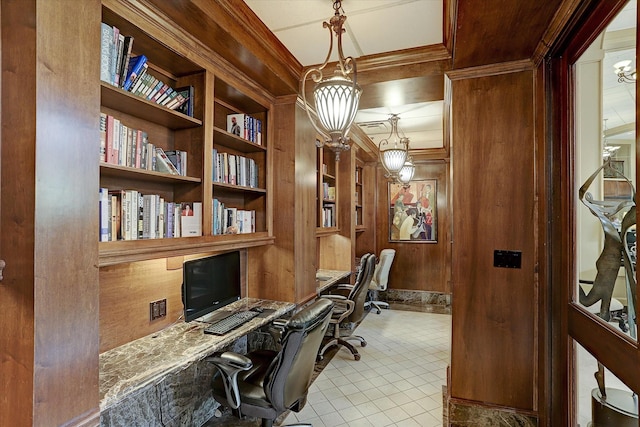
120,68
115,55
229,220
328,218
234,169
124,146
245,126
131,215
328,192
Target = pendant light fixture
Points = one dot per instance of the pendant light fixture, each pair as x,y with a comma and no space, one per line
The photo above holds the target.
405,175
624,72
336,97
393,150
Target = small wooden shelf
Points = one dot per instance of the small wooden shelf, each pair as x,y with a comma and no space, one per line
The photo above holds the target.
326,231
234,142
239,188
116,171
125,102
124,251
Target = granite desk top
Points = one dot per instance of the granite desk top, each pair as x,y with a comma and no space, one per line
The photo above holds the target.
147,360
327,278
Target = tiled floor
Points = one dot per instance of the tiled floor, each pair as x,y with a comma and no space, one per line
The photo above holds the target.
397,382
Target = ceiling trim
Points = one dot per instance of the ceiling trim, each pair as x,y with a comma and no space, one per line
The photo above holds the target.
491,70
562,16
417,55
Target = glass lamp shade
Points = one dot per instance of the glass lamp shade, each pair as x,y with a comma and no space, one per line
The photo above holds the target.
337,100
406,173
393,159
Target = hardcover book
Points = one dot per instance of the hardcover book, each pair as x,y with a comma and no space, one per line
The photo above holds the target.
135,67
163,164
191,219
236,124
187,106
106,38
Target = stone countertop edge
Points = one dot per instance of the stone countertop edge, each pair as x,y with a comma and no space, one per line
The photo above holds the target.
130,368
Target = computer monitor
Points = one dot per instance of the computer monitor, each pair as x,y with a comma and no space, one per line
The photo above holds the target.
210,283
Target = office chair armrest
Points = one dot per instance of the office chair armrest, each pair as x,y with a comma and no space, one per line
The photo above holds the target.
343,307
229,364
276,329
335,298
343,287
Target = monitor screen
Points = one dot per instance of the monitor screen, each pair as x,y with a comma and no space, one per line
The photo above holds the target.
210,283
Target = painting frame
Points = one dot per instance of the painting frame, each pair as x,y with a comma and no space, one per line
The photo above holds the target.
417,200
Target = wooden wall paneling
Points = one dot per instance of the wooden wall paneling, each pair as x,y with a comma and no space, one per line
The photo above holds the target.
337,250
418,266
49,215
306,205
494,326
366,239
285,271
127,289
125,293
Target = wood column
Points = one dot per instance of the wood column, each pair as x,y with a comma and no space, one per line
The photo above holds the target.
49,212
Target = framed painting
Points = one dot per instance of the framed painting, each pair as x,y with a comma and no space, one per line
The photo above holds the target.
412,212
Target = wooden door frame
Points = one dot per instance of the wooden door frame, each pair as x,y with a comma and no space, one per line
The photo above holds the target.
568,321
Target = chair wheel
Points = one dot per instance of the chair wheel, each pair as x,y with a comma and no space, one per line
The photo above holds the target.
356,356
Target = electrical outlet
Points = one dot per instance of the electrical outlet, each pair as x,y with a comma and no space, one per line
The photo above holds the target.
157,309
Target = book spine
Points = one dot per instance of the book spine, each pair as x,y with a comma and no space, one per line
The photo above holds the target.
119,54
106,37
114,55
137,81
104,214
103,137
136,68
124,67
165,162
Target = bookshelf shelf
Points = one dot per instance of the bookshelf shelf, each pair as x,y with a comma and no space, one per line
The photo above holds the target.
119,252
326,231
238,188
226,139
359,203
327,168
117,171
127,103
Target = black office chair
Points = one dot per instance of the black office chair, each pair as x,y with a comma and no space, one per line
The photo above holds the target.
349,307
266,383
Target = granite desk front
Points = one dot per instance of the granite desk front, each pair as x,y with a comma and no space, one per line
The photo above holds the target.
162,379
327,278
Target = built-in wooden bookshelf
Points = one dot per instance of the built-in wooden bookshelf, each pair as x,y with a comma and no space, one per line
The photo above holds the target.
327,190
175,62
244,186
358,197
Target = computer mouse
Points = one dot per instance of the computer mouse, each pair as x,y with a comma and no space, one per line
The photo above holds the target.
257,309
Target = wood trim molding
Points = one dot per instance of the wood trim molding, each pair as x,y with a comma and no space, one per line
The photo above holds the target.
560,20
404,57
491,70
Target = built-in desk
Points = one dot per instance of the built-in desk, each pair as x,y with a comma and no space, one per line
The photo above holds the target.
327,278
159,379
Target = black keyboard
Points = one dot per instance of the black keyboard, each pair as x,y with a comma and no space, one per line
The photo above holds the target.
229,323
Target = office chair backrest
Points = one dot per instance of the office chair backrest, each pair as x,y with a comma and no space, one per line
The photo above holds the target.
360,288
381,274
291,371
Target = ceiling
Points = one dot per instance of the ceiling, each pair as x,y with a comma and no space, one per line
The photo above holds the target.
372,27
619,99
500,31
